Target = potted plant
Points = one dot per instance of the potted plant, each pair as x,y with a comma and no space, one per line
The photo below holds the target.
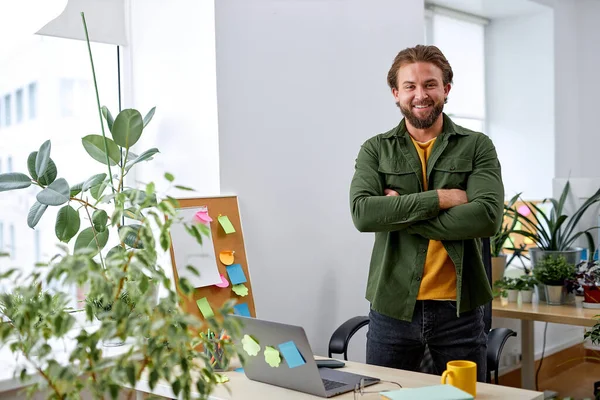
553,271
499,241
508,286
164,341
525,284
588,278
554,233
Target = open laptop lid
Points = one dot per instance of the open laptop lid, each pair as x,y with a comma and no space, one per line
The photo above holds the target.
303,376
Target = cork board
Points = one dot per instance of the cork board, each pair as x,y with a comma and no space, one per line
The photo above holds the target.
217,296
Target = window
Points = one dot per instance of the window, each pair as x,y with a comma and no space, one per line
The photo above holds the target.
67,98
7,110
54,75
32,89
466,101
13,245
19,105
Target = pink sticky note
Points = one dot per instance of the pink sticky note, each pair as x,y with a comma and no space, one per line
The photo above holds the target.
202,217
524,211
224,282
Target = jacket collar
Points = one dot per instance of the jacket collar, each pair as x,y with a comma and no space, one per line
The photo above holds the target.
449,128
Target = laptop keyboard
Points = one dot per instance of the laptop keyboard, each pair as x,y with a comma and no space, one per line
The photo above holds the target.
330,385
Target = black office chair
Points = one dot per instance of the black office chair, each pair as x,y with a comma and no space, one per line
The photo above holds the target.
338,343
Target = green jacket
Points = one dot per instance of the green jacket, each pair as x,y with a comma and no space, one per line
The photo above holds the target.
403,225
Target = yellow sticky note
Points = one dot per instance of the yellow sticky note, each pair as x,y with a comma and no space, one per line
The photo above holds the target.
204,307
272,356
240,290
250,345
226,224
226,257
527,241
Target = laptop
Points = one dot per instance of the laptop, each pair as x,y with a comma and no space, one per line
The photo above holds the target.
307,377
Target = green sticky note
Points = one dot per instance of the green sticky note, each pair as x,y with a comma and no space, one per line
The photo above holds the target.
205,308
226,224
250,345
272,356
240,290
221,378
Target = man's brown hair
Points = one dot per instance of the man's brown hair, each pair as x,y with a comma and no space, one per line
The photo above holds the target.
420,53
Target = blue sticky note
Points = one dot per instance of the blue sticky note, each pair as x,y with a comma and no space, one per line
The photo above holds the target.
291,354
236,274
239,370
241,309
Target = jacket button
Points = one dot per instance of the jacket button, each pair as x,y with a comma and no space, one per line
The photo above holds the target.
452,168
418,278
423,251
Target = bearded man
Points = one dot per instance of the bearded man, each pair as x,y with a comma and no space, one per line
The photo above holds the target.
430,190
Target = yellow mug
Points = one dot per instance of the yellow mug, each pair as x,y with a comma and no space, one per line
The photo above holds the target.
463,375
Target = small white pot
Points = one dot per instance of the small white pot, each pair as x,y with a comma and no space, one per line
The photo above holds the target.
513,296
526,296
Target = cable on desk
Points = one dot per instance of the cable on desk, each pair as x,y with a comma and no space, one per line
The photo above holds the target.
541,359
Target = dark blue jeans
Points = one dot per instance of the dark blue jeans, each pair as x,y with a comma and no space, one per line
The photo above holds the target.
400,344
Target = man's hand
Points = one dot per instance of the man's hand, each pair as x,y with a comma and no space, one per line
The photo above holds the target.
451,198
390,192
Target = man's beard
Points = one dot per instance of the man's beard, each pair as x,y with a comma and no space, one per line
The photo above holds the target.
422,123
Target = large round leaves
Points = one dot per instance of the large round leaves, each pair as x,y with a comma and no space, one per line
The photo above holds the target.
35,213
67,223
86,242
94,145
127,128
14,180
57,193
49,175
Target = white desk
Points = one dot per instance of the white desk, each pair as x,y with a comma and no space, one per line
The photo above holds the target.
529,312
243,388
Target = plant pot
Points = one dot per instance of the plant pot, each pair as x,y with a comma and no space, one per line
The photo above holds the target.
572,256
555,295
526,296
498,267
513,295
591,294
503,300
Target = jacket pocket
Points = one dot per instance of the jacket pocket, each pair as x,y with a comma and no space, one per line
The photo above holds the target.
452,173
399,176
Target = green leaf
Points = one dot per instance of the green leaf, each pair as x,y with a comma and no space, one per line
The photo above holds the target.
35,213
41,161
153,378
127,128
184,188
50,174
149,116
67,223
99,219
129,234
85,241
94,145
117,250
130,371
97,190
55,194
76,189
176,386
169,177
145,156
14,180
108,117
93,181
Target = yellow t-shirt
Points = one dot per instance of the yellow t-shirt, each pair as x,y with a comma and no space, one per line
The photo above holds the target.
439,273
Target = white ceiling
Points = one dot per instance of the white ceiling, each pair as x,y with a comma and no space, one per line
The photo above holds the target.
492,8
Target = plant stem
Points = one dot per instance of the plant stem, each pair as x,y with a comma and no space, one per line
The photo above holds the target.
85,203
126,266
87,39
95,238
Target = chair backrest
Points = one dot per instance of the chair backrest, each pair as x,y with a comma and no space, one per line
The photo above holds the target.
486,255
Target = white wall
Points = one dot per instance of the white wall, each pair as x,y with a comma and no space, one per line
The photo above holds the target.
171,65
520,102
301,85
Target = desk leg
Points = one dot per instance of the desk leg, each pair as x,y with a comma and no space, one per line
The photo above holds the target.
527,355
